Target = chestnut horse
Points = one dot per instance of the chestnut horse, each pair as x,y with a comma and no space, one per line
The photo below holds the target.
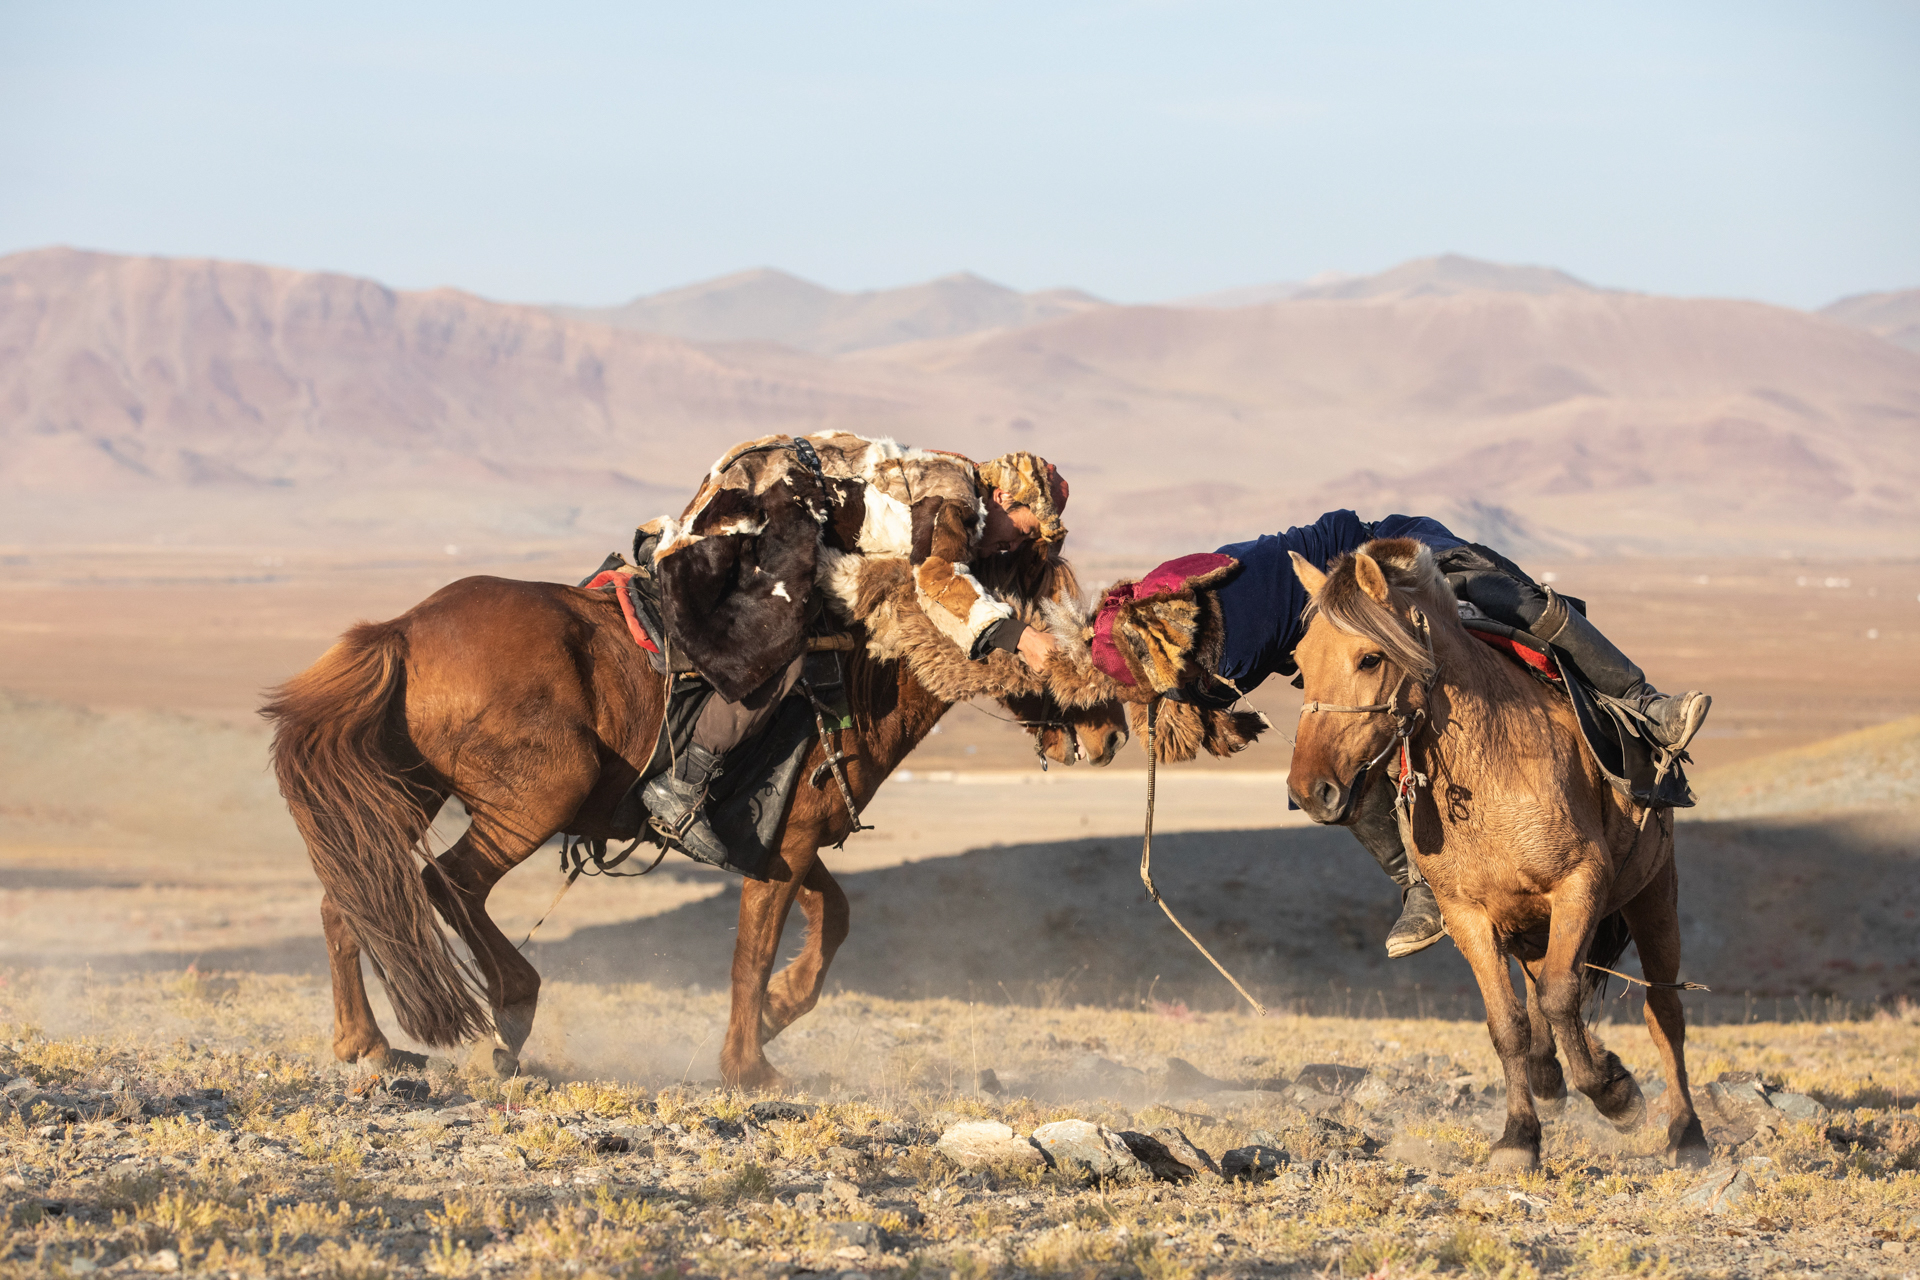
531,703
1529,850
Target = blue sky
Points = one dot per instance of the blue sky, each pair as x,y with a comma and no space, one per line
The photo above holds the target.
1143,151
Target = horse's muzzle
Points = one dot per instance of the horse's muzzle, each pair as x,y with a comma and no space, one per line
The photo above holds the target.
1327,801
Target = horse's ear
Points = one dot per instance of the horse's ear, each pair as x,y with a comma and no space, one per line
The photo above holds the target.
1310,578
1366,571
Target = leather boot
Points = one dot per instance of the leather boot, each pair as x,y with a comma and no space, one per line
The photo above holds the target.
677,800
1375,827
1672,718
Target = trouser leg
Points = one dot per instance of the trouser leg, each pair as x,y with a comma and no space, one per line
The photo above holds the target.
677,799
1502,591
1377,828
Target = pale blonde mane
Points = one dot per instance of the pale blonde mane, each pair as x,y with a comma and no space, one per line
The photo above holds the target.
1410,573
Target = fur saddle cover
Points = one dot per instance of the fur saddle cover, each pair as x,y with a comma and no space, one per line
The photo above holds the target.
736,571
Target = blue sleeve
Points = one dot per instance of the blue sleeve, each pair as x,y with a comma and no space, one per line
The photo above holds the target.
1261,606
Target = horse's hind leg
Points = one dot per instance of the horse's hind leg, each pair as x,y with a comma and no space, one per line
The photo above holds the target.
794,991
356,1034
1653,917
1519,1146
496,842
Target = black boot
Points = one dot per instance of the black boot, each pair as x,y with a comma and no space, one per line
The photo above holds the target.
1672,719
677,800
1376,828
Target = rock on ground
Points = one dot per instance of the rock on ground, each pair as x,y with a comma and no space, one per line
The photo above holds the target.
1083,1145
977,1143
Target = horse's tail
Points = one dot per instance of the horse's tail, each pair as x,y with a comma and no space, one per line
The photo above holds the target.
341,756
1610,939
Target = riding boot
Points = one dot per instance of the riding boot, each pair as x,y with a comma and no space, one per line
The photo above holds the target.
1378,829
677,800
1672,719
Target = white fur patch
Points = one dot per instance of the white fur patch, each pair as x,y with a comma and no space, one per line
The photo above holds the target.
780,589
673,537
745,524
886,527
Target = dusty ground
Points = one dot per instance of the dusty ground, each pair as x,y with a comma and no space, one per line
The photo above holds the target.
190,1123
998,924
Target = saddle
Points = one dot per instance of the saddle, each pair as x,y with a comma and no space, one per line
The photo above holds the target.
1614,731
749,803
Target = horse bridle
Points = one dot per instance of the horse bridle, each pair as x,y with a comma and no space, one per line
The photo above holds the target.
1405,725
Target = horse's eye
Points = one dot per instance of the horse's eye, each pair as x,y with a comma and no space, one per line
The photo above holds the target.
1369,662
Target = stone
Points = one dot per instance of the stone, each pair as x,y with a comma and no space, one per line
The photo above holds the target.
1181,1148
1311,1100
975,1144
1095,1152
165,1260
842,1191
772,1109
861,1234
1184,1080
1425,1153
1374,1093
1329,1077
989,1083
1160,1158
1797,1106
1720,1190
1252,1164
1500,1202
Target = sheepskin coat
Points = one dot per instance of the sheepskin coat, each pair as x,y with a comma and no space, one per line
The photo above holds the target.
741,564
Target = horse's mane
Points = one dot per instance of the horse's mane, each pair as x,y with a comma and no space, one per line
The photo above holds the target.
1410,571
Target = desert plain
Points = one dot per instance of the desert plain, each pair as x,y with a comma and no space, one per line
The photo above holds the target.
172,1104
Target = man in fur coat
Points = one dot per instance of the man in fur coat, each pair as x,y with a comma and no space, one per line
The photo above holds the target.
1257,602
777,516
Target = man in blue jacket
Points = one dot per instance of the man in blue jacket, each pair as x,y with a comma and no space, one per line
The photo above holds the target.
1261,607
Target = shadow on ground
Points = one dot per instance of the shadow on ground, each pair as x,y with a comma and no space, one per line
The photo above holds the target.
1782,917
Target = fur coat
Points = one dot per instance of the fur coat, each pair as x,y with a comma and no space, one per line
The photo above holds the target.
777,516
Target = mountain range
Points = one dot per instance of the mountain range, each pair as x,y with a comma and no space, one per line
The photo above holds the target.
176,399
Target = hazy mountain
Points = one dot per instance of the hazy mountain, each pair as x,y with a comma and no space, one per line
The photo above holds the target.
212,401
772,306
1586,417
1444,276
127,378
1893,316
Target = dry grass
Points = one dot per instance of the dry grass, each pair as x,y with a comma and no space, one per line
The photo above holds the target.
126,1157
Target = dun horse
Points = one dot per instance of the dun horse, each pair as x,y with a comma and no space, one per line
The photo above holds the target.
1530,852
530,703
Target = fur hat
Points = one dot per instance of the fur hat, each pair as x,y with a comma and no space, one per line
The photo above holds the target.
1146,632
1032,482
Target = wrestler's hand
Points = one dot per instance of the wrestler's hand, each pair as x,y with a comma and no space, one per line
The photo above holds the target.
1035,648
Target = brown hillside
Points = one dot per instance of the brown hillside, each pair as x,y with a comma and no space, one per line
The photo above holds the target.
1894,316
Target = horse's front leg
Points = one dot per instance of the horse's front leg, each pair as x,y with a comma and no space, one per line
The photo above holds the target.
763,916
1596,1071
1544,1077
796,989
1519,1144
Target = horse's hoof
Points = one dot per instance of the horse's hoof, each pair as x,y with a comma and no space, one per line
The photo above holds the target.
1628,1113
1550,1105
1514,1160
398,1060
1689,1148
491,1062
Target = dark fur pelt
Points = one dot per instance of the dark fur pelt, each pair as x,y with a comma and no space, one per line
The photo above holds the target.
736,603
